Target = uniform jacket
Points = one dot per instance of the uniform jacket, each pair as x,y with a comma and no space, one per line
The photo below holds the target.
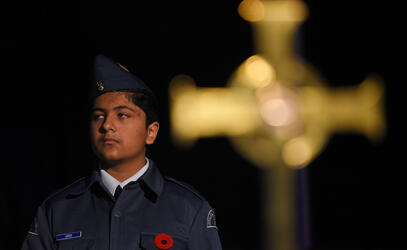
154,212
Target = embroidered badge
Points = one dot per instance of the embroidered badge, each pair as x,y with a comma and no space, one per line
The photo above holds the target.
100,85
163,241
211,220
68,236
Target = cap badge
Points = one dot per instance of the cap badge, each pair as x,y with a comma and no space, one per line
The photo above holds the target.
100,85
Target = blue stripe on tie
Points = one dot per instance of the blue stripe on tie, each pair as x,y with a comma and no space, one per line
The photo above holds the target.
68,236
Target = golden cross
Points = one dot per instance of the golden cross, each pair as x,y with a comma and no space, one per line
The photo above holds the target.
276,110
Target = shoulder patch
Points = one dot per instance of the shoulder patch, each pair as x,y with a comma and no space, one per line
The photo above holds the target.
185,186
211,220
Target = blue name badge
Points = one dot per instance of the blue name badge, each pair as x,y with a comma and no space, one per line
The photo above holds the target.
69,236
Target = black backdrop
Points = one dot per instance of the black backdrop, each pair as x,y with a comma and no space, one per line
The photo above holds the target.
46,53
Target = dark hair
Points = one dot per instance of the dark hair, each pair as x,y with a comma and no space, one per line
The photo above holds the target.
146,101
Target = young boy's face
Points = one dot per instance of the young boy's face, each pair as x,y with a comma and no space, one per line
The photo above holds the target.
118,129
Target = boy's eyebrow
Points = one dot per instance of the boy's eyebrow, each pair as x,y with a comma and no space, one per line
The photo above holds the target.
97,109
115,108
123,107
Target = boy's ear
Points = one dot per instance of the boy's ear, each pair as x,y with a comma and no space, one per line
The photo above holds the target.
152,131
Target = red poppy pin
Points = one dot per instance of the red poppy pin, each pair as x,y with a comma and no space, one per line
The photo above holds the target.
163,241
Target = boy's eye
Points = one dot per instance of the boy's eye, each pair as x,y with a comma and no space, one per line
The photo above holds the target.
97,116
122,115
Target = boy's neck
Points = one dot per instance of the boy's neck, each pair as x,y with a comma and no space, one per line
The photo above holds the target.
121,171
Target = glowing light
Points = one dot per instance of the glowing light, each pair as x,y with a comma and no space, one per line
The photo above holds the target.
255,73
273,11
206,112
277,112
259,71
297,152
285,11
358,109
251,10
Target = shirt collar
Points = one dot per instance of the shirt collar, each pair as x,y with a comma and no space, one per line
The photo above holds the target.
111,183
152,181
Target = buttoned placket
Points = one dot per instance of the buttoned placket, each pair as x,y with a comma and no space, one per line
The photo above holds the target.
116,223
132,196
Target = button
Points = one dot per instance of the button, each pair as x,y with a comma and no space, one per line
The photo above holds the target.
117,214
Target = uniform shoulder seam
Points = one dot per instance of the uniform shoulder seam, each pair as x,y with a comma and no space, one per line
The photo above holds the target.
63,189
185,186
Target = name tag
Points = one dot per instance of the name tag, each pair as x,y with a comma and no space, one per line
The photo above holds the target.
69,236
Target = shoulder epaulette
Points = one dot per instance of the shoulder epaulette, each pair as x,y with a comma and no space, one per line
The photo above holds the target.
185,186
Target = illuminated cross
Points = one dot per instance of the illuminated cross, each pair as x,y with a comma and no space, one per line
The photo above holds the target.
276,110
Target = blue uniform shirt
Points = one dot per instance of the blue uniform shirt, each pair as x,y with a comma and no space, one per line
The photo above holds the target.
154,212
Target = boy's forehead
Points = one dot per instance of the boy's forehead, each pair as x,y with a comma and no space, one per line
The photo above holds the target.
112,99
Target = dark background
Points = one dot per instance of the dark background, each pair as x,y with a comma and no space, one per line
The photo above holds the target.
356,186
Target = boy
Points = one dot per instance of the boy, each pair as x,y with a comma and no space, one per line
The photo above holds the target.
126,203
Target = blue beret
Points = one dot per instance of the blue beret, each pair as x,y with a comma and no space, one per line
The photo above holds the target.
110,76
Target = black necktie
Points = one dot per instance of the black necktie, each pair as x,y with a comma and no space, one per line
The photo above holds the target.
117,192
